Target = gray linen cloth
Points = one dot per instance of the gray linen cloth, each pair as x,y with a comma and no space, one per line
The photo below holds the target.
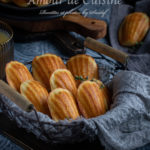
126,126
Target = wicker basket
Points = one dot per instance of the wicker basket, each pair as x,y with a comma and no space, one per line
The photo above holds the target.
65,131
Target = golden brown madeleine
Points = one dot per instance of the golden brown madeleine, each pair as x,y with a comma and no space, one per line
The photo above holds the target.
133,29
21,3
105,92
17,73
62,105
62,78
36,94
83,66
43,66
5,1
42,2
90,99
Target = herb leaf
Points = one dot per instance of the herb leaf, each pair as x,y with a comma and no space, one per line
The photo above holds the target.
81,78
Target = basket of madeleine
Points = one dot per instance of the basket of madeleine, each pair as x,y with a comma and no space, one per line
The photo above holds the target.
66,97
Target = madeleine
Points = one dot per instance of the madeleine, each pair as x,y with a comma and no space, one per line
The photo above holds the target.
36,94
62,78
5,1
105,92
62,105
17,73
83,67
90,99
133,29
42,2
43,66
21,3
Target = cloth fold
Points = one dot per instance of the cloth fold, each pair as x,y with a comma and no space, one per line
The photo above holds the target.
126,125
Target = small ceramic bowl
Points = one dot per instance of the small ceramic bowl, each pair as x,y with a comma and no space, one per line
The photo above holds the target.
6,48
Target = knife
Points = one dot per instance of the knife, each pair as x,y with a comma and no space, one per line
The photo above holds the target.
74,46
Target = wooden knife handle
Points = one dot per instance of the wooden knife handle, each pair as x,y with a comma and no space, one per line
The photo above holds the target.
16,97
85,26
106,50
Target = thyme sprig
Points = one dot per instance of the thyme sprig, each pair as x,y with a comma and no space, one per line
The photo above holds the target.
80,78
135,47
102,86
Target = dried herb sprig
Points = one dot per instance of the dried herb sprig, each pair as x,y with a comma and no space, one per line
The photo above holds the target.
135,47
81,78
102,86
95,80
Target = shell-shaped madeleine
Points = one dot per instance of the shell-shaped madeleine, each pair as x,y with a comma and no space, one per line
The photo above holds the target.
62,105
36,94
43,66
17,73
90,99
83,66
42,2
21,3
62,78
133,29
5,1
105,92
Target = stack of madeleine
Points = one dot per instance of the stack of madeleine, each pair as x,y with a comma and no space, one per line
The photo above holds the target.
58,90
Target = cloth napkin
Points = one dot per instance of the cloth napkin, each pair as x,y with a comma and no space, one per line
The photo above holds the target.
126,126
139,57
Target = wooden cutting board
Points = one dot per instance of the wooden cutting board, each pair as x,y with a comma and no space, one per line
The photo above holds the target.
72,22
